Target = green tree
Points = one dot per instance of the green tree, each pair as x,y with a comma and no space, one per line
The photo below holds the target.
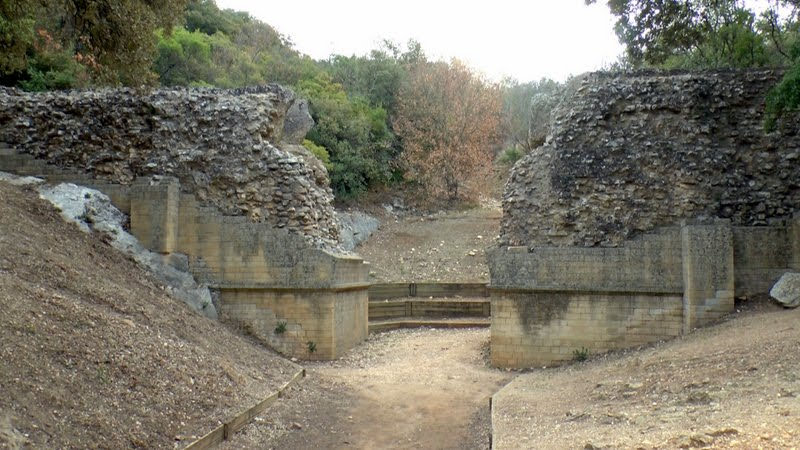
16,35
354,134
696,33
113,41
117,35
184,58
204,16
378,75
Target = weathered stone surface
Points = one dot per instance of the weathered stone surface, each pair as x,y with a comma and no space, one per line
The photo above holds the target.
92,210
316,166
628,153
15,180
355,227
298,122
220,145
787,290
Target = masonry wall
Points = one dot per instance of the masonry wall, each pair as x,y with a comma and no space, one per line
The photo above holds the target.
226,147
761,256
628,153
332,321
549,302
650,263
544,328
265,275
651,187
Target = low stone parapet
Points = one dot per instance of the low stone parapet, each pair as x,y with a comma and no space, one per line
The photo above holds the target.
551,304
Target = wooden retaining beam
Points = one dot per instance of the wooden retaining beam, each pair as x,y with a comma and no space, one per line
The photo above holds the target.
393,309
398,290
388,325
236,423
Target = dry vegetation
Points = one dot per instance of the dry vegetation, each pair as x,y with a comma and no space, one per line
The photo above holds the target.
95,353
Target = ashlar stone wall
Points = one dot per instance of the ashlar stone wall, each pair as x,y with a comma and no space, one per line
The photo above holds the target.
212,180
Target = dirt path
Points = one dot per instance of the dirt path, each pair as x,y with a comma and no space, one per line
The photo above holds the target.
446,247
405,389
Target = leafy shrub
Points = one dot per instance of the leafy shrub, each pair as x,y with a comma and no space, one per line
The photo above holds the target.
354,134
54,67
510,155
281,328
581,354
318,151
783,98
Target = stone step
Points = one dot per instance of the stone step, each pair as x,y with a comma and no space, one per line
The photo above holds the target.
376,326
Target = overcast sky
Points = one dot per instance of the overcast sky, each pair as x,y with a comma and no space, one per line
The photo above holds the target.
527,40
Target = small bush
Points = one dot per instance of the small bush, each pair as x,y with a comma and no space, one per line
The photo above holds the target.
319,151
312,347
54,67
510,155
281,328
581,354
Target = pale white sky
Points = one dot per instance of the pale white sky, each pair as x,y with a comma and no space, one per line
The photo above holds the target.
527,39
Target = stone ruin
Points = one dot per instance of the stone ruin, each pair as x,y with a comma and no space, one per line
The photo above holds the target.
216,183
235,149
656,199
628,153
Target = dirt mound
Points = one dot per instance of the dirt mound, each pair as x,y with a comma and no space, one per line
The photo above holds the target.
95,353
442,247
734,385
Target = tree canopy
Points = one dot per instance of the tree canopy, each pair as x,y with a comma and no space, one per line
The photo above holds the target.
713,34
57,43
449,121
704,33
389,117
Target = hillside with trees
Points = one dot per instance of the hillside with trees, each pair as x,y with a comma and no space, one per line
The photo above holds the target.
356,101
388,119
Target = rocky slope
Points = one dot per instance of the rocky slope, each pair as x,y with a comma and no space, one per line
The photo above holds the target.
95,353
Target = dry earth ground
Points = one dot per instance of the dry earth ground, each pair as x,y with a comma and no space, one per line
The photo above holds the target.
95,354
405,389
445,247
734,385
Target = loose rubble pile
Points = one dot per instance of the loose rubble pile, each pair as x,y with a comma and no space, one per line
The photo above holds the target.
628,153
355,227
225,146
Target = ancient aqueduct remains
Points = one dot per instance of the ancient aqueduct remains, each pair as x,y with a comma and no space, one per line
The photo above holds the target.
656,200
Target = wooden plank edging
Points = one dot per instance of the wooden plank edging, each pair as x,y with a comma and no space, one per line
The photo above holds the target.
227,429
383,291
388,325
